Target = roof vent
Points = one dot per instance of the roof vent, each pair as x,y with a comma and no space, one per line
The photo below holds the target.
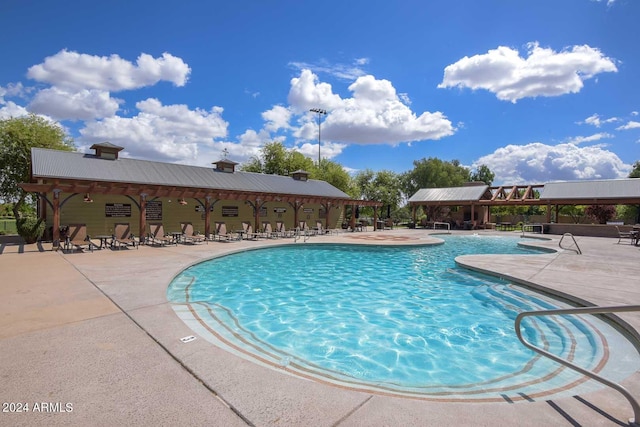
106,150
225,165
300,175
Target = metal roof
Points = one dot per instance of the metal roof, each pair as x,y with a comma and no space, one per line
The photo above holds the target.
597,189
449,194
88,167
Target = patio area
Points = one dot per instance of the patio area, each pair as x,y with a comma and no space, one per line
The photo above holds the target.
93,336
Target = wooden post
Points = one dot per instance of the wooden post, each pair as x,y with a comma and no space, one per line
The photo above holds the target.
207,216
375,218
257,206
56,217
143,217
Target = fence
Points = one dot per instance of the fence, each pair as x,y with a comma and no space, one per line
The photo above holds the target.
8,226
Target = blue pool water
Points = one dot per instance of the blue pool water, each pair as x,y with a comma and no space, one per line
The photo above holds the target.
401,320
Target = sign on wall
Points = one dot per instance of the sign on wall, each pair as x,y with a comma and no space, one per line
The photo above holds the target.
230,211
154,210
117,210
200,208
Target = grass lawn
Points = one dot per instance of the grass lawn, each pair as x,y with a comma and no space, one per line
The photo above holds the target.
8,226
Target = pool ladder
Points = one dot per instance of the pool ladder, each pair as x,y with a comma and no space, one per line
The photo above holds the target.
576,249
592,375
297,234
446,224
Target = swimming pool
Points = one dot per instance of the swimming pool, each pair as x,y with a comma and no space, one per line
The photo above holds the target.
395,320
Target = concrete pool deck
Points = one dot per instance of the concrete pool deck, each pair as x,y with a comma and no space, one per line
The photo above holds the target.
92,336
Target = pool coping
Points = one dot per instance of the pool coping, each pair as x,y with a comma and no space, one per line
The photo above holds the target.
85,290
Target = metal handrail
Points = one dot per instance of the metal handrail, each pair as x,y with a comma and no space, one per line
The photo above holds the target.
442,223
533,228
577,250
592,375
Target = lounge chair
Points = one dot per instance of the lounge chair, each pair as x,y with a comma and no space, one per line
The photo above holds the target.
157,235
320,230
122,236
282,231
267,231
77,238
625,235
248,232
188,236
304,229
222,235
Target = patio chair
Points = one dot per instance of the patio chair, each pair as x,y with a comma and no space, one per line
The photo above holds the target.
157,236
188,235
248,232
267,231
320,230
625,235
305,230
282,231
223,235
122,236
77,238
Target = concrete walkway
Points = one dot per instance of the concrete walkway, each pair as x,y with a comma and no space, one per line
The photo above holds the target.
90,339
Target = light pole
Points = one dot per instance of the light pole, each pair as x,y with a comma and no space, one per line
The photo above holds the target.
321,113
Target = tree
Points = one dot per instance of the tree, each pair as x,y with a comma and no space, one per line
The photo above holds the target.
17,137
334,174
275,159
601,213
383,186
576,212
484,174
631,213
434,173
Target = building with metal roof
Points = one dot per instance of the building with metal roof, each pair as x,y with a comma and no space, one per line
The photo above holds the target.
474,196
117,187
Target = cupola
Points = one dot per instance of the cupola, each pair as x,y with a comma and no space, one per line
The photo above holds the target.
225,165
300,175
106,150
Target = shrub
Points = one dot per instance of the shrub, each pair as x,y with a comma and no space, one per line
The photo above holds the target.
30,228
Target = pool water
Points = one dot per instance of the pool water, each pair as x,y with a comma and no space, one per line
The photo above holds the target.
399,320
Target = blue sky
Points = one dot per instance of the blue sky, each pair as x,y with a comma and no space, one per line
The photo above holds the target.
538,90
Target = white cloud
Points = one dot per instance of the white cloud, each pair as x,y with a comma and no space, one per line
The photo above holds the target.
328,150
595,120
375,114
10,110
595,137
80,105
630,125
158,132
543,72
75,72
341,71
12,90
540,163
609,2
277,118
